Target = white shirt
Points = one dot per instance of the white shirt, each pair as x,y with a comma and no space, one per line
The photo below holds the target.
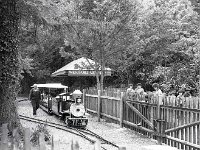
139,91
158,93
129,90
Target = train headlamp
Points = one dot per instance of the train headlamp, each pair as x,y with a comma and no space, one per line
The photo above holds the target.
78,100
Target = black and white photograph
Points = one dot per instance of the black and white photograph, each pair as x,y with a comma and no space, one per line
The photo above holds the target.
99,74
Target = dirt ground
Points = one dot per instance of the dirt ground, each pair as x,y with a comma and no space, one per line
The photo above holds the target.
110,131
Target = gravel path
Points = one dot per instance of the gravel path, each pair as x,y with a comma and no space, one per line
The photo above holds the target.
112,132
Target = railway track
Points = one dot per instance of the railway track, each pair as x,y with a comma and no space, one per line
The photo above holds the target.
84,133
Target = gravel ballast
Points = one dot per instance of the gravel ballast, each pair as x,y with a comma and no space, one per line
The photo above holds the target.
110,131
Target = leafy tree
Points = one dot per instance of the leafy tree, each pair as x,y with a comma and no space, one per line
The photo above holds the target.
96,29
9,61
168,31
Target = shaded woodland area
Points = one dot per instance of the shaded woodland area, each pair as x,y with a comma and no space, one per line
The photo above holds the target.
153,41
149,41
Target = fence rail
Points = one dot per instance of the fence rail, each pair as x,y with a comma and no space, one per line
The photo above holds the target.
181,126
186,102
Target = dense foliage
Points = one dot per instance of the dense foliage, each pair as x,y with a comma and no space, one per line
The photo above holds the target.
149,41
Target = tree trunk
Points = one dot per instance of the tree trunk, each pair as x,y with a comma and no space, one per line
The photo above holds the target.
102,75
9,62
98,81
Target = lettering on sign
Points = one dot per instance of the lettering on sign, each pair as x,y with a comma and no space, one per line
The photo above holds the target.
85,72
81,72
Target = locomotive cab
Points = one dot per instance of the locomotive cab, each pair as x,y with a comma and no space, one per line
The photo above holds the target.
64,102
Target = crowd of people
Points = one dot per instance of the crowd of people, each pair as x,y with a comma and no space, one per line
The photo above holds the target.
140,93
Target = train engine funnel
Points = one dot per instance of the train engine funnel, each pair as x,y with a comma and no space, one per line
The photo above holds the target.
77,96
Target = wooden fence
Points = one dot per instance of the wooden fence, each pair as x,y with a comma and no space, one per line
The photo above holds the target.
111,92
161,118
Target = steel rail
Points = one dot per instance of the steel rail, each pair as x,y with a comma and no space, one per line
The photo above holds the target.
54,125
87,131
60,127
78,132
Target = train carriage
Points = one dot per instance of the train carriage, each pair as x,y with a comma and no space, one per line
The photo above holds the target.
68,106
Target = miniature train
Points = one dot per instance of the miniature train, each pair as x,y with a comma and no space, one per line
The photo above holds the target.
68,106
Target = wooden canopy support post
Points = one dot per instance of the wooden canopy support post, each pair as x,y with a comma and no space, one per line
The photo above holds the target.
99,105
121,110
84,96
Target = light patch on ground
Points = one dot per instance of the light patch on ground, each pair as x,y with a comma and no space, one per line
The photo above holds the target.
110,131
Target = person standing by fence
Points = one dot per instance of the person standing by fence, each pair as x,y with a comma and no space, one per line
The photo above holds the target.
158,91
140,92
35,97
180,98
130,91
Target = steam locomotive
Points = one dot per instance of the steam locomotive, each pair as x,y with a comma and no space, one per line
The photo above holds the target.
68,106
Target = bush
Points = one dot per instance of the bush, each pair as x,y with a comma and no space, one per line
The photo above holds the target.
38,130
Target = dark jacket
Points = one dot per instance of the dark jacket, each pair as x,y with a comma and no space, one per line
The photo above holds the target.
35,95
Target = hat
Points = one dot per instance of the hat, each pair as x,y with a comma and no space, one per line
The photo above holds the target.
130,85
139,84
155,85
181,91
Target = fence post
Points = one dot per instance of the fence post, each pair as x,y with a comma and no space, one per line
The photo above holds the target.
14,143
97,145
122,148
42,142
27,144
72,144
52,143
56,145
4,140
121,109
99,105
76,145
160,122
